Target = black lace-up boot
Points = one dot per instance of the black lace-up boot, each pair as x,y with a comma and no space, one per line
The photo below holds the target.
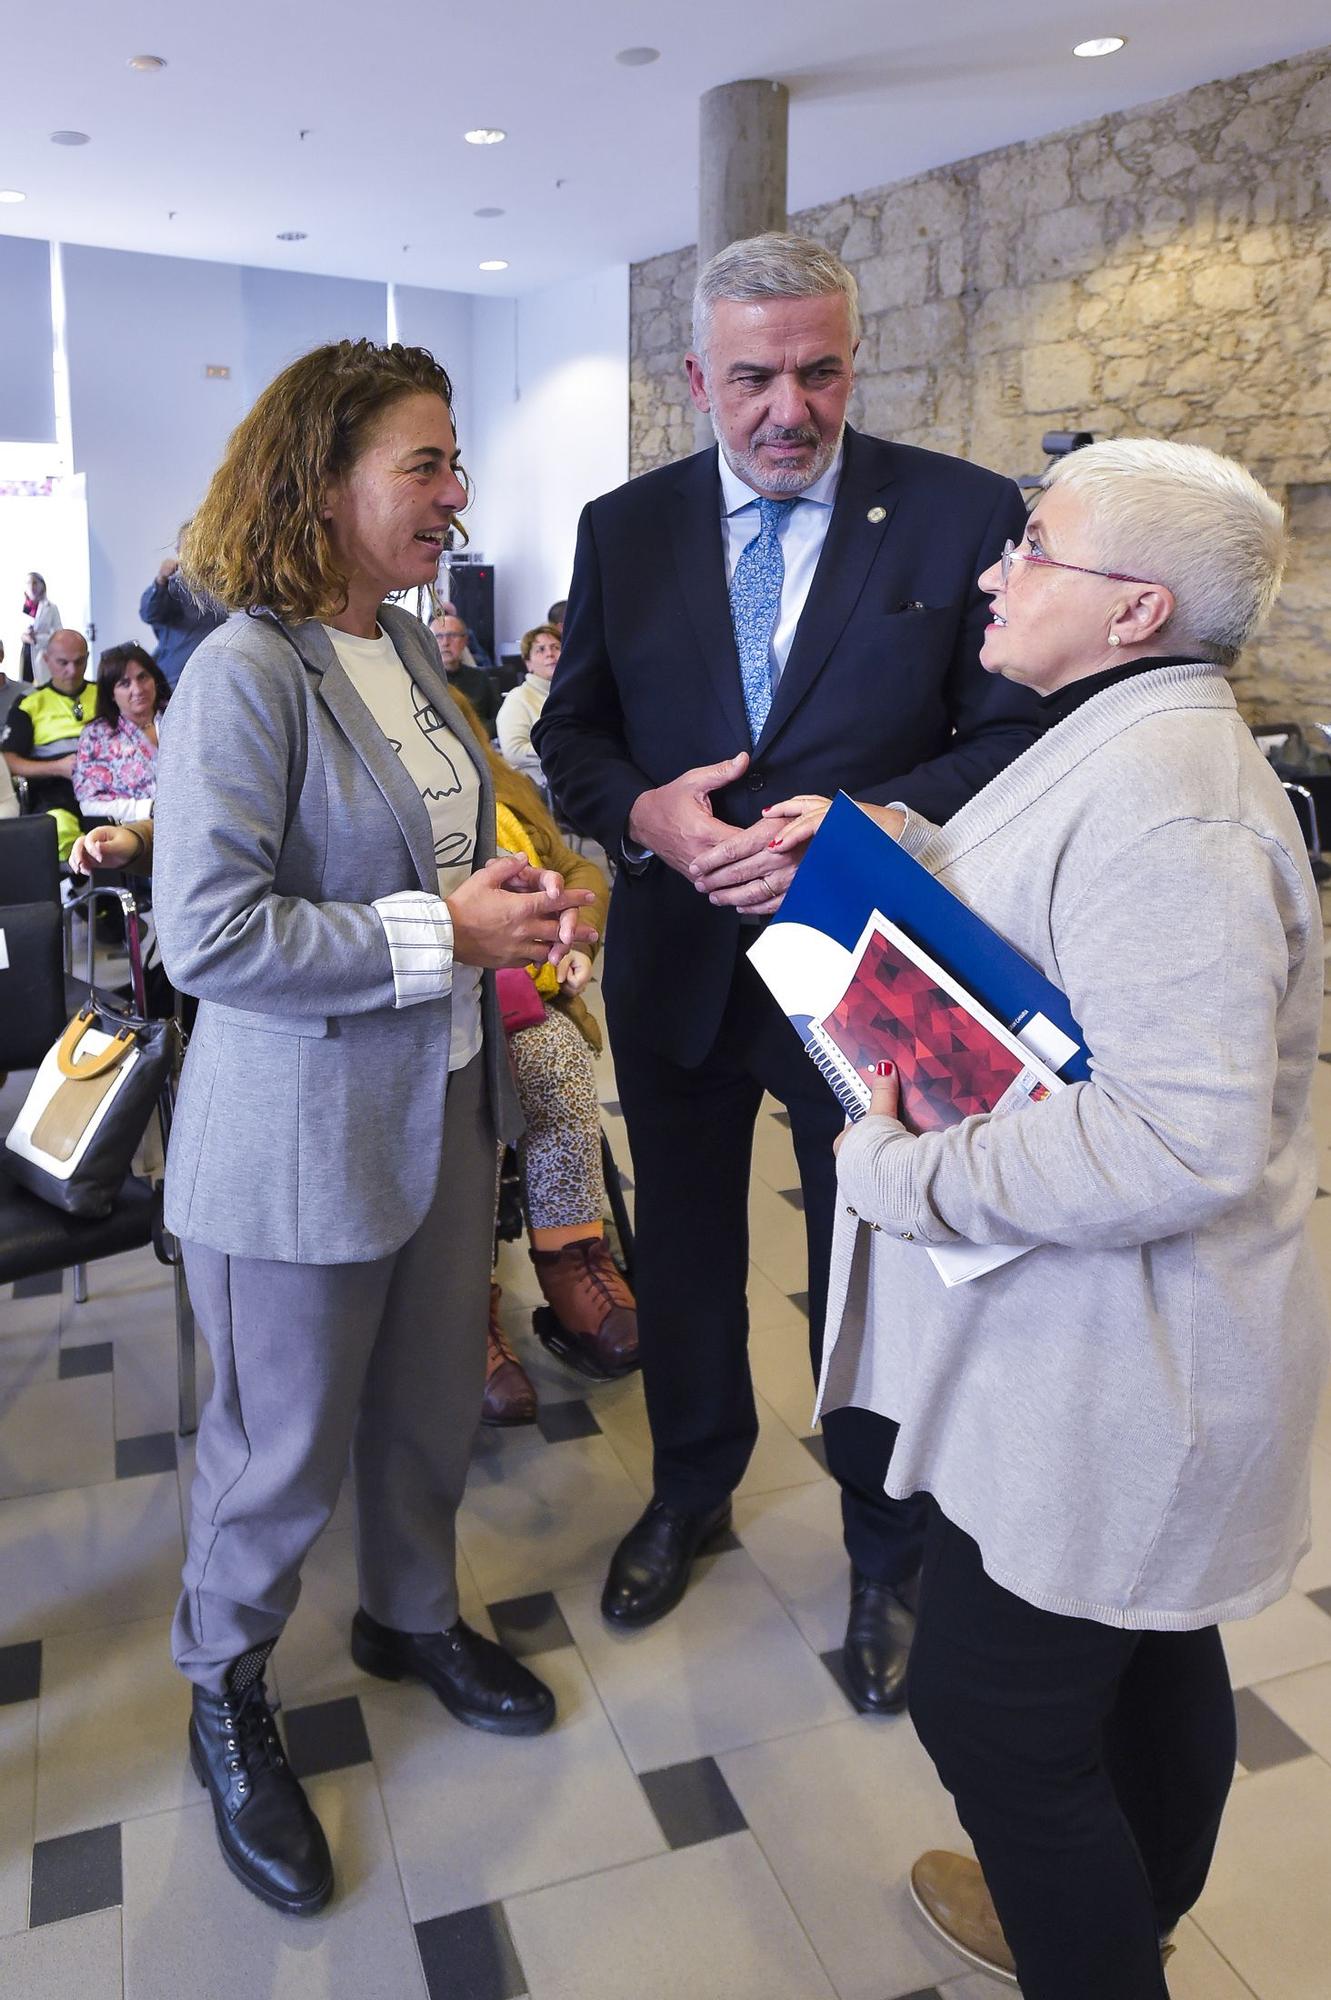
269,1836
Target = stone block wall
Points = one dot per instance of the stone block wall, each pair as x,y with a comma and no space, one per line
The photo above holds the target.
1165,271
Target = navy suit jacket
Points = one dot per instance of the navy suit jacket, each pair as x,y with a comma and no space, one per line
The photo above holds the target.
882,695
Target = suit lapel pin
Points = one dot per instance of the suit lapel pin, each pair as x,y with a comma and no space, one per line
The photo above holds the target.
877,514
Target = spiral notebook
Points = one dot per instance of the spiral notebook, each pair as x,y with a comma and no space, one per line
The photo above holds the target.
952,1057
871,958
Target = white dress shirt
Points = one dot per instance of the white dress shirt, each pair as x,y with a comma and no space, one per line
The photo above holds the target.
802,534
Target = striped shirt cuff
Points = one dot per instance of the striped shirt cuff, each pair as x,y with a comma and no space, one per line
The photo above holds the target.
419,930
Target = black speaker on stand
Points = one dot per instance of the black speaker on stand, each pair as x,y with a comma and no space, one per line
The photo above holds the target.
471,587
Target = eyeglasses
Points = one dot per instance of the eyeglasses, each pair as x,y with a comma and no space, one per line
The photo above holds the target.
1011,553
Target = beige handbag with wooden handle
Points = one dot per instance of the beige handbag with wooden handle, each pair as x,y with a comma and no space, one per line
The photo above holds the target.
86,1082
91,1100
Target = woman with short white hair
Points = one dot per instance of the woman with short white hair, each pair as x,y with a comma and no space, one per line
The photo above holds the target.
1116,1427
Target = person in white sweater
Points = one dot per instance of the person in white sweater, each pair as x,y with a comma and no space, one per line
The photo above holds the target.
522,705
1116,1428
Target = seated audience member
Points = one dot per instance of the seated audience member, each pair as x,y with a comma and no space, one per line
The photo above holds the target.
115,766
1116,1428
42,731
8,796
591,1318
556,615
464,676
523,704
474,654
179,618
446,609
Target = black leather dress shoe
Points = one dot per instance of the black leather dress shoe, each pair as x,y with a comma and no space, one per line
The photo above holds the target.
266,1828
476,1680
878,1638
649,1571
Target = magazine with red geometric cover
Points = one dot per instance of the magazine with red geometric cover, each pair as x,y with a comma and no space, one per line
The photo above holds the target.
953,1059
950,1055
824,961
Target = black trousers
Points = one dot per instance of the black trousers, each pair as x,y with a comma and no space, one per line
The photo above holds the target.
1090,1767
691,1134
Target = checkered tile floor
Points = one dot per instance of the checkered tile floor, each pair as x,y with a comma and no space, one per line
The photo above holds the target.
708,1821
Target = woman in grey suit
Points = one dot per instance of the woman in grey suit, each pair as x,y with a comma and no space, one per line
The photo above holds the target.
326,885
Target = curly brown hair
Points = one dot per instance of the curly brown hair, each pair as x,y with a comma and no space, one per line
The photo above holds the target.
259,540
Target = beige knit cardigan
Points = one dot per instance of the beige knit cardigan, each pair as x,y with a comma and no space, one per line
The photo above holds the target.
1122,1418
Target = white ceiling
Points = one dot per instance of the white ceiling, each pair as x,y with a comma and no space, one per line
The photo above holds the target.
600,165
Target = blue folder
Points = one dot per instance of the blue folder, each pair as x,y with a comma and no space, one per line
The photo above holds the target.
853,868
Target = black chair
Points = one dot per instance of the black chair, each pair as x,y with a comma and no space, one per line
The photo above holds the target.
32,977
36,1238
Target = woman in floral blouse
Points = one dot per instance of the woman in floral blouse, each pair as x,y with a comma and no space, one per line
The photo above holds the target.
115,771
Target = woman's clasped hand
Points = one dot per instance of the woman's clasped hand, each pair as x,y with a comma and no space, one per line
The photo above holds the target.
508,913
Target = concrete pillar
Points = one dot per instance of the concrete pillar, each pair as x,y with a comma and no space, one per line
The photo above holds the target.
741,171
742,163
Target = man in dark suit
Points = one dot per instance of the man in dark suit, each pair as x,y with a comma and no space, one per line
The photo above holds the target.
795,613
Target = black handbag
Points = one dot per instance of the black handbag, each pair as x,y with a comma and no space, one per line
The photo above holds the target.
90,1102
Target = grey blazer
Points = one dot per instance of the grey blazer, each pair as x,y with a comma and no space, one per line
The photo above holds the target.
311,1110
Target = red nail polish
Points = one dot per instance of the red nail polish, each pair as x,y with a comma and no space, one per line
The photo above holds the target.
883,1068
774,843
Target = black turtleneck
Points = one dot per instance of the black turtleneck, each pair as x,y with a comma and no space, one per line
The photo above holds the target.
1056,707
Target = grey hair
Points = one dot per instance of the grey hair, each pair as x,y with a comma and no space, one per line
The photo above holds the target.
1189,519
775,266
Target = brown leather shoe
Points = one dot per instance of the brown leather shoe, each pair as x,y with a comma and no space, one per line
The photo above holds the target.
509,1396
590,1319
950,1893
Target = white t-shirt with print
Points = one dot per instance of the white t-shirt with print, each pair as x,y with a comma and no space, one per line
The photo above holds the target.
444,775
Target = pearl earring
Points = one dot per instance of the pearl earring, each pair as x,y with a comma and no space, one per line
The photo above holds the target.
1114,639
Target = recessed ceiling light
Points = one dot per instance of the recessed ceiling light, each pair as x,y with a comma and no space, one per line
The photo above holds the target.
1101,45
69,138
494,264
147,63
636,58
291,235
487,214
11,195
485,135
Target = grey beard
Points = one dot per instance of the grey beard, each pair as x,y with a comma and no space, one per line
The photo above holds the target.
744,466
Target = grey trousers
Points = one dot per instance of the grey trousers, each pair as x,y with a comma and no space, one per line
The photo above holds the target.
383,1360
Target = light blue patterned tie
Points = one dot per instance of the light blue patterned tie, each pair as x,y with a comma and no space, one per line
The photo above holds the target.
755,604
